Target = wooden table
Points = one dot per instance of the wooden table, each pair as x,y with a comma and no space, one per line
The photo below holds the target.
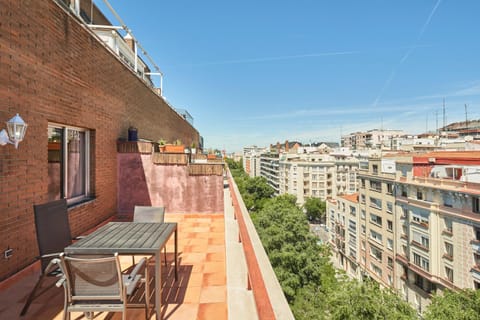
131,238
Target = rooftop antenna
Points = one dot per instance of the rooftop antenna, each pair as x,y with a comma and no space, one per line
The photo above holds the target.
426,124
436,119
381,123
466,116
444,121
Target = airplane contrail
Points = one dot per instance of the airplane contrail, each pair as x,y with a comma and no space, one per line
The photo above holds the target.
267,59
407,54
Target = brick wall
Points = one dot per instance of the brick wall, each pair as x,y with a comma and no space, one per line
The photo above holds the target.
52,69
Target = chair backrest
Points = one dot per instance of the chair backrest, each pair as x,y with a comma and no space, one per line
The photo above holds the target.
53,228
93,278
149,214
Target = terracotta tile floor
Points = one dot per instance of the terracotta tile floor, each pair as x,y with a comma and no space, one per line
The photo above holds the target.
200,292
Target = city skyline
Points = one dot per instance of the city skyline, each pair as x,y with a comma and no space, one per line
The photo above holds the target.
255,73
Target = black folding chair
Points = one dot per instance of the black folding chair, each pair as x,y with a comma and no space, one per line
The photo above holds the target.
53,235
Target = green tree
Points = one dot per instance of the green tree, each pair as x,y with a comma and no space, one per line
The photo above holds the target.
460,305
315,209
366,300
293,251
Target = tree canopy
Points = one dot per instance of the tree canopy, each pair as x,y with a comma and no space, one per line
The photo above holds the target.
315,209
461,305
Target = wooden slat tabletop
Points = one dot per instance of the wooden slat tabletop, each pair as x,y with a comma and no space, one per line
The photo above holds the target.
125,238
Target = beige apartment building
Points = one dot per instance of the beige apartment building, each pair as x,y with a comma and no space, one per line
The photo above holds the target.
343,220
418,222
438,225
376,204
317,175
371,139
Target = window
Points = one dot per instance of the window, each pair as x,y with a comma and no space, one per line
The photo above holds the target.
353,211
404,191
362,198
376,253
389,225
390,244
375,219
376,203
376,269
68,163
376,185
363,229
362,181
449,274
352,226
420,216
375,169
389,207
420,261
389,188
363,214
421,239
390,262
476,204
448,224
376,236
419,195
447,200
449,249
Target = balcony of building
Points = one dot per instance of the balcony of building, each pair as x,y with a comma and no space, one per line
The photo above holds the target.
224,272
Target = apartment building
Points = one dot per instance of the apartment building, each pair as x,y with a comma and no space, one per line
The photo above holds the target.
438,224
377,233
373,139
269,169
251,160
317,175
307,175
418,223
343,221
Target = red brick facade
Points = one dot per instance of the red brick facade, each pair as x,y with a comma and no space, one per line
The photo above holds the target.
53,69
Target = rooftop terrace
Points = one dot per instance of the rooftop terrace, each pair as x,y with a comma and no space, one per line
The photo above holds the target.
213,276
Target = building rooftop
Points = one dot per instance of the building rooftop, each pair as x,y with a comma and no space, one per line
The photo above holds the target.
350,197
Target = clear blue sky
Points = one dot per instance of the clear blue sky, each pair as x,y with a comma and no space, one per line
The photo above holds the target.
257,72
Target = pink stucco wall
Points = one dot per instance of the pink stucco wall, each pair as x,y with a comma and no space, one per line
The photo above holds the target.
141,182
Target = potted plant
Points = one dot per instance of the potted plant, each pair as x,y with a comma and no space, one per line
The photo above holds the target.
193,147
161,144
177,147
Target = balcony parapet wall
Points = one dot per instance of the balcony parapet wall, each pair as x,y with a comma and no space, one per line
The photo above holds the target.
268,294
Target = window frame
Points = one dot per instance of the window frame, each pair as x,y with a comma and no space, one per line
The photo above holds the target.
64,162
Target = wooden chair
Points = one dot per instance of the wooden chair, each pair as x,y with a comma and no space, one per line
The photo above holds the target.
95,284
53,235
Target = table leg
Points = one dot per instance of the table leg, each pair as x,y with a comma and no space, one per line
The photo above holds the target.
176,257
158,285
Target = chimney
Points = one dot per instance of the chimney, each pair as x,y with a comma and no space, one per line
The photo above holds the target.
287,148
130,42
278,146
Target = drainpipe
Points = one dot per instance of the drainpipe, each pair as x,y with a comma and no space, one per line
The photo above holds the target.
136,54
76,7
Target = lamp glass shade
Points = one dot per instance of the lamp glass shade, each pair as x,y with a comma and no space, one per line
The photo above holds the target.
16,128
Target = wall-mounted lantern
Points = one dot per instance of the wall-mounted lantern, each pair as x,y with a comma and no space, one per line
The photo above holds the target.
16,128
